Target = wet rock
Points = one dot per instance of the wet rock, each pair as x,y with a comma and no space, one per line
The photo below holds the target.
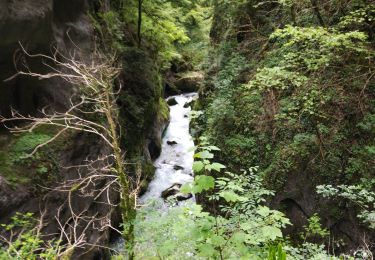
140,76
171,142
186,116
172,102
40,24
182,197
11,196
180,65
178,167
189,82
188,104
174,193
171,89
171,191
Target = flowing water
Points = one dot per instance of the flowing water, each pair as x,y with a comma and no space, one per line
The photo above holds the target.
174,166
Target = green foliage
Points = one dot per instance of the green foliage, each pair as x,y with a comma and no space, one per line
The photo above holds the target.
28,243
244,229
293,96
110,29
202,167
362,16
248,230
27,143
220,116
160,29
292,107
357,195
196,18
314,228
166,28
21,221
16,157
278,78
317,47
277,253
309,251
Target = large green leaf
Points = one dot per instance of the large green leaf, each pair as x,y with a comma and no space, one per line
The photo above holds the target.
215,166
263,211
204,155
186,188
198,166
203,182
206,250
229,196
271,233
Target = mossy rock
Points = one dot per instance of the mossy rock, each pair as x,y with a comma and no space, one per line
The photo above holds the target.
148,172
19,167
139,100
189,82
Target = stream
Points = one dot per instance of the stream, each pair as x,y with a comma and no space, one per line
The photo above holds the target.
174,166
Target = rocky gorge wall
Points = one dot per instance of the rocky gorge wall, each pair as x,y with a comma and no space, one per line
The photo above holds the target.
42,26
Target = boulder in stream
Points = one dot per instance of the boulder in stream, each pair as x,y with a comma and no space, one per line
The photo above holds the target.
182,196
174,192
178,167
171,142
188,104
172,102
171,191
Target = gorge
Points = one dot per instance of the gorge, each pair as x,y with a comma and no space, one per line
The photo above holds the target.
255,117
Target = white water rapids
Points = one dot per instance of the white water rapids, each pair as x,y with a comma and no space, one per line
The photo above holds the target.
174,166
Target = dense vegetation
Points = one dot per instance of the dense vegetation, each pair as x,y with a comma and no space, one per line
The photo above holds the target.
284,129
291,90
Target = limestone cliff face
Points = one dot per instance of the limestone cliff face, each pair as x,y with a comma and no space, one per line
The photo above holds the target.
42,26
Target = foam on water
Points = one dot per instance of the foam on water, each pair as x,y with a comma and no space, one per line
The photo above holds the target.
174,166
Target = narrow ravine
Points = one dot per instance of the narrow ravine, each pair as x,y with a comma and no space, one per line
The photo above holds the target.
174,166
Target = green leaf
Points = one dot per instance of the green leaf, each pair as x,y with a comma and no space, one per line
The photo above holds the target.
206,250
198,166
217,166
203,182
42,170
217,240
271,233
186,188
213,148
229,196
239,237
263,211
204,155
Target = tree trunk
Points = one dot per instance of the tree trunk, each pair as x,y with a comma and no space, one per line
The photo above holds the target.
127,199
314,4
293,14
